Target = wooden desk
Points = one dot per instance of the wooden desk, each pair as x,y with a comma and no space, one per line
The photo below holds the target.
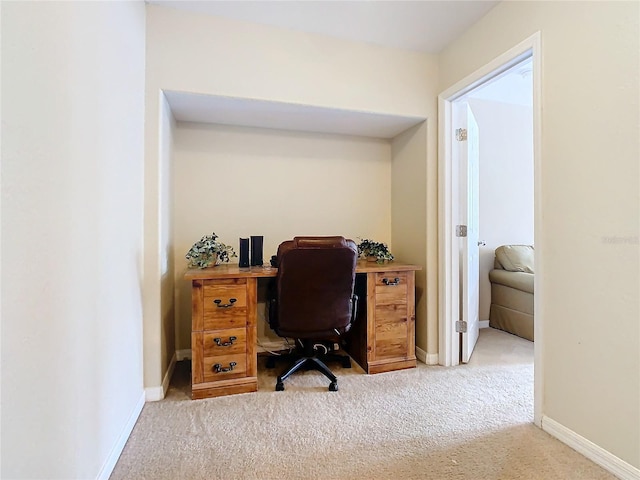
224,317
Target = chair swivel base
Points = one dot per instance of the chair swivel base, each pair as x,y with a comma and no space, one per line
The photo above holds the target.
344,360
306,362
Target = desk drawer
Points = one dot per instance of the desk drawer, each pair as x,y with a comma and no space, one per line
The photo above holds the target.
391,288
225,305
224,342
225,367
392,339
391,326
390,314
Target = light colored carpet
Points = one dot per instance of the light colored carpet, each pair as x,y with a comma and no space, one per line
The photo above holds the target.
467,422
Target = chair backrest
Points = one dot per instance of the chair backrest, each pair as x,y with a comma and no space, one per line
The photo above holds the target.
314,287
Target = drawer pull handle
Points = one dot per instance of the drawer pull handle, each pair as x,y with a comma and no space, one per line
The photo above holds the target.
391,283
218,368
219,303
220,343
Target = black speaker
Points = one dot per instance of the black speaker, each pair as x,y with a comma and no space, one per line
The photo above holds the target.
256,250
244,253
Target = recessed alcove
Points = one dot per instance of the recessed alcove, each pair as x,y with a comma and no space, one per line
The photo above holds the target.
242,167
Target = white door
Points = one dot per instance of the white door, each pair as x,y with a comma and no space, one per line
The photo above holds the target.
469,157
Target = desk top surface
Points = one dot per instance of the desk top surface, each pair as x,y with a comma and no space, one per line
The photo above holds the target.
231,270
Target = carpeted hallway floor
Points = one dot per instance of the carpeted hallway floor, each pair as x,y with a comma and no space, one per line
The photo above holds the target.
469,422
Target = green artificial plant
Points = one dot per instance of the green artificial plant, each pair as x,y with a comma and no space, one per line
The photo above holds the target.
369,248
208,251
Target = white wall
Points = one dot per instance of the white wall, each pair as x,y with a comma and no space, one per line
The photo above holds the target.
72,177
587,243
506,182
210,55
238,182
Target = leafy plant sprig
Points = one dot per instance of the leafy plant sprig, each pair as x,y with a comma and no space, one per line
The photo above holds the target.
371,248
208,251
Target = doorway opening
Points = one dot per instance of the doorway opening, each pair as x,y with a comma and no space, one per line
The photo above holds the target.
495,161
459,233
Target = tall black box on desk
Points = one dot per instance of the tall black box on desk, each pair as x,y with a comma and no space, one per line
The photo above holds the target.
244,253
256,250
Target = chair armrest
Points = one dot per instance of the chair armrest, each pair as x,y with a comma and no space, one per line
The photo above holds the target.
354,308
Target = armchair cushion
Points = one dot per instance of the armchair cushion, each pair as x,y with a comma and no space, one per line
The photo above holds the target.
515,258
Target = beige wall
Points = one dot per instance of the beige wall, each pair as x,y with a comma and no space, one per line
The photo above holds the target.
167,260
72,207
209,55
206,54
590,210
414,184
72,168
239,181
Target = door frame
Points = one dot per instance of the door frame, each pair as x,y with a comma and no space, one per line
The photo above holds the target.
448,262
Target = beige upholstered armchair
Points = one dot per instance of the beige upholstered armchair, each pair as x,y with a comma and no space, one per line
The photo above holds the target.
512,290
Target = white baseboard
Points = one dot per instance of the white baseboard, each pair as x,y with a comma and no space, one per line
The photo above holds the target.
271,346
593,452
427,358
183,354
484,323
153,394
116,451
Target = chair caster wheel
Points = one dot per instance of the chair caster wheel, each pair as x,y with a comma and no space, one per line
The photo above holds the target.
279,387
333,387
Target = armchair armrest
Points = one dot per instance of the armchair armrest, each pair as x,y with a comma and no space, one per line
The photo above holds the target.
519,280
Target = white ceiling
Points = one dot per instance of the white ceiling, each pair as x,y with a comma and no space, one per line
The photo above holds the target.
515,86
422,25
192,107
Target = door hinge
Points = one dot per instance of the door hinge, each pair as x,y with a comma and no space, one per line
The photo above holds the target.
461,326
461,230
461,134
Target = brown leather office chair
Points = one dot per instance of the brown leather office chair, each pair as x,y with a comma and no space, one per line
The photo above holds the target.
313,299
